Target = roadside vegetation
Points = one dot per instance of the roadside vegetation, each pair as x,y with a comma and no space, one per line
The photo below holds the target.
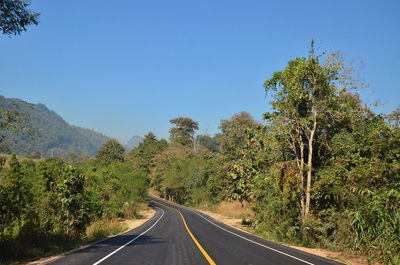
52,205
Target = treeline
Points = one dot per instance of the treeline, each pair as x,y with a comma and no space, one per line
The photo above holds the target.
51,205
321,170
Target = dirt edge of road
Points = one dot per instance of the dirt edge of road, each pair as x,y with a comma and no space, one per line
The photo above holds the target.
130,224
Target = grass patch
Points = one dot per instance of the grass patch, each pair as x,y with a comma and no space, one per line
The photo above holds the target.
104,228
234,209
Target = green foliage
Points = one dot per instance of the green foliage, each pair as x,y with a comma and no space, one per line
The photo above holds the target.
15,199
304,96
178,171
233,142
111,151
186,180
209,143
15,16
360,183
68,209
354,169
49,204
143,155
233,133
118,187
183,133
163,163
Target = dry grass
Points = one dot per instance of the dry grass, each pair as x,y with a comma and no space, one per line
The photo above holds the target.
234,209
231,213
20,158
154,193
109,227
145,215
103,228
228,220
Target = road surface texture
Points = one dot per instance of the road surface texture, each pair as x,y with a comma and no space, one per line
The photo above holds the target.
180,236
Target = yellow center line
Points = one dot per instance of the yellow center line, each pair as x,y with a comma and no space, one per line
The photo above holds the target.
205,254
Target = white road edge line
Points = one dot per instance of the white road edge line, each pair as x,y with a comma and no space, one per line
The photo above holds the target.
127,243
254,242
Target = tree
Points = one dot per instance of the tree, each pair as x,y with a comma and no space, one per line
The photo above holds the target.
183,133
143,155
15,16
186,180
15,200
208,142
305,103
68,203
233,133
233,141
111,151
163,163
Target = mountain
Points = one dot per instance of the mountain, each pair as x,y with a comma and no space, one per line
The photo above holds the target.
52,136
134,142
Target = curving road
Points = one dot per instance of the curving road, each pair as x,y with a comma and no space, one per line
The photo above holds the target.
177,235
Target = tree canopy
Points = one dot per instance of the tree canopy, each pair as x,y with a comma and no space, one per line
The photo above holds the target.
183,132
15,16
111,151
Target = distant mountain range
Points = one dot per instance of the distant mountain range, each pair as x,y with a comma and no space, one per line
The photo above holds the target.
52,135
134,142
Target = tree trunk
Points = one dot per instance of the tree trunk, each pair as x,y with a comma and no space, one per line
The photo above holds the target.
310,164
302,204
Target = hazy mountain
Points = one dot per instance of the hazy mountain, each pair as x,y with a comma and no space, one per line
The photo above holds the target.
53,136
134,142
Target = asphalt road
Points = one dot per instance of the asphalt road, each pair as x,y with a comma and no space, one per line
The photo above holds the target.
180,236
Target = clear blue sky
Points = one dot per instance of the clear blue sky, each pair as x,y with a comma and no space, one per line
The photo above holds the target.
127,67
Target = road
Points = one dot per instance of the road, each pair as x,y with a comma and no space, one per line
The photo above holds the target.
180,236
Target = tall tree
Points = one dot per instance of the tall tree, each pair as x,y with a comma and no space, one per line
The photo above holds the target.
143,155
183,132
305,102
15,16
208,142
233,133
233,141
111,151
15,197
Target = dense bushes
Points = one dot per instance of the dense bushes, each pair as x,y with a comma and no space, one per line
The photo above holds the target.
51,205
